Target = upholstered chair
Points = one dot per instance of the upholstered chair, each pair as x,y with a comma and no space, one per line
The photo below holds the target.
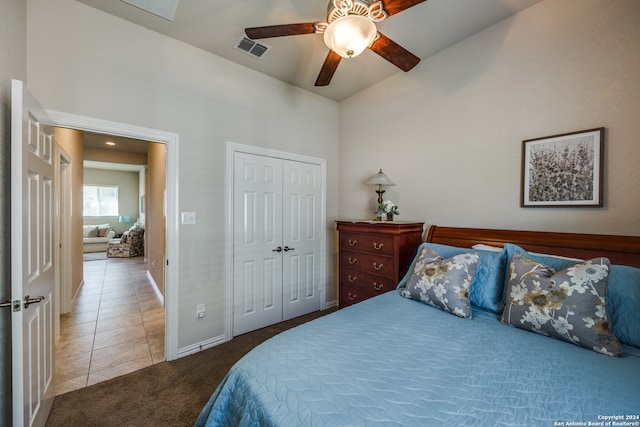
131,244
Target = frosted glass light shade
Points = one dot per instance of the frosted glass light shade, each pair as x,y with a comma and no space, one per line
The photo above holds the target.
350,35
380,179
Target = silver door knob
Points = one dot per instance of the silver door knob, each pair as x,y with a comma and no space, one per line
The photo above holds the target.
31,300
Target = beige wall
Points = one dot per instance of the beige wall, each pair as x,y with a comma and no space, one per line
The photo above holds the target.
71,142
82,61
449,132
13,65
154,214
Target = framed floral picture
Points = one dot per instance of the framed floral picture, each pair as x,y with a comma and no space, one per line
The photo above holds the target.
563,170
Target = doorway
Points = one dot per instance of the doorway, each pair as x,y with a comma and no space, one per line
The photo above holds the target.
63,228
115,323
171,142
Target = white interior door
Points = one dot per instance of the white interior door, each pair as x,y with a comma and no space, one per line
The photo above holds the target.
302,238
257,235
32,259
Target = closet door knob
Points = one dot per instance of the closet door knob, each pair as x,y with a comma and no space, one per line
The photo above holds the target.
278,249
287,249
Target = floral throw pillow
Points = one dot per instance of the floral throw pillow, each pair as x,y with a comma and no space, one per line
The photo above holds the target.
443,283
570,305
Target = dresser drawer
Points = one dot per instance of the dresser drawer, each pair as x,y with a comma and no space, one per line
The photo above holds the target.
350,295
368,283
369,263
383,245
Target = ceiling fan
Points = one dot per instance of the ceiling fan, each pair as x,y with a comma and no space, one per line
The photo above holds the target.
349,30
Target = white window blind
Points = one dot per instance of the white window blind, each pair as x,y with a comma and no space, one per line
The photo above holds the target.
100,200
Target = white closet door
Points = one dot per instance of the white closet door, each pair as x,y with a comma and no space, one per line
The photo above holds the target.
302,238
257,230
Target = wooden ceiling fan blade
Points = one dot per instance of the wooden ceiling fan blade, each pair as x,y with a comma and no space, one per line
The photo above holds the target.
328,69
280,30
394,53
394,6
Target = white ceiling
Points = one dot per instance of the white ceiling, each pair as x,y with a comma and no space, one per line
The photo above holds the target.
217,25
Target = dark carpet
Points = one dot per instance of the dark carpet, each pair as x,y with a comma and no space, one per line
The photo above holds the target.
166,394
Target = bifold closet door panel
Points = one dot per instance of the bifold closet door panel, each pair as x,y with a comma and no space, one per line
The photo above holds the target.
257,233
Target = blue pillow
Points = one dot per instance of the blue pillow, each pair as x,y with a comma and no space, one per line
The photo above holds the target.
623,294
488,282
556,262
624,303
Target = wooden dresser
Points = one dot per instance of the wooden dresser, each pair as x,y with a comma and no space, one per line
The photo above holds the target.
374,256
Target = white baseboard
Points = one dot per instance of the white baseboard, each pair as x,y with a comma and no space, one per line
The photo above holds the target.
75,296
155,287
331,304
202,345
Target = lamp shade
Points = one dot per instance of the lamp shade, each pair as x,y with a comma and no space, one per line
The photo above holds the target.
124,219
380,179
350,35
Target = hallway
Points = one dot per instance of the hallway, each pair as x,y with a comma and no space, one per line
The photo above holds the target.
116,326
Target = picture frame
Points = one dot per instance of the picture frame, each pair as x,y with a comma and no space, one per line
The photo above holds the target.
563,170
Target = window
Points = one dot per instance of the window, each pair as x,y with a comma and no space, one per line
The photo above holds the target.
100,200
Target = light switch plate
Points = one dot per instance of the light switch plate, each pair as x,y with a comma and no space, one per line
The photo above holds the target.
188,218
200,311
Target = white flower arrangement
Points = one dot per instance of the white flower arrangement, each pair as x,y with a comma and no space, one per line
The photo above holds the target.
387,207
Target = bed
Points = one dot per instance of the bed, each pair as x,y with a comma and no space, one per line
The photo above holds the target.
394,360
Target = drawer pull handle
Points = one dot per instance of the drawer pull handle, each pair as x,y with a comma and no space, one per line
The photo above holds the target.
353,278
353,260
377,246
377,286
352,242
352,296
378,266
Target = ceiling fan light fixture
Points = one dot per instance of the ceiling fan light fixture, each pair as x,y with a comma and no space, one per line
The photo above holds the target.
350,35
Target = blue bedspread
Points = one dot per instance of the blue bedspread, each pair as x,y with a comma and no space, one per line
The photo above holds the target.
390,361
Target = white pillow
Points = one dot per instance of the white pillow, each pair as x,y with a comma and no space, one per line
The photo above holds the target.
90,231
483,247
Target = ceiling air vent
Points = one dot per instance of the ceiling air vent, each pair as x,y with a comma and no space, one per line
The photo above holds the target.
252,47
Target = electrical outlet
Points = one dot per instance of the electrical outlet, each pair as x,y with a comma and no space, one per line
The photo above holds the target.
200,311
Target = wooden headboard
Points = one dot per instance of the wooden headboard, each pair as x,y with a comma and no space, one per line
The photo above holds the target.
623,250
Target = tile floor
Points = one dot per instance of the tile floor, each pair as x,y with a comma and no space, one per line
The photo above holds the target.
116,326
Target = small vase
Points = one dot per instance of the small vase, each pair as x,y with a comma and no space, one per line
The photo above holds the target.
389,217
